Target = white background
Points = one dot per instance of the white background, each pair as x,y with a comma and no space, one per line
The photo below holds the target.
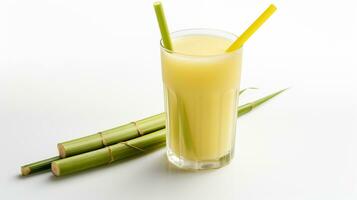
74,67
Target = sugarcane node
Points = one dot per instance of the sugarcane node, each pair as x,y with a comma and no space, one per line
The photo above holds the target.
102,138
140,133
111,158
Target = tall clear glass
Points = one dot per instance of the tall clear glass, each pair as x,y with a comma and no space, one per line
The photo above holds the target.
201,99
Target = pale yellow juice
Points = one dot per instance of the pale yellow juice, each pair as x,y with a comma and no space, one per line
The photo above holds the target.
201,83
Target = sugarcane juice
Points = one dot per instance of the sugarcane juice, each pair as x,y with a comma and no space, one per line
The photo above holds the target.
201,84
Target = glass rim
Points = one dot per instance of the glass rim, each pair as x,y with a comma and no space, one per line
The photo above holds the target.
198,31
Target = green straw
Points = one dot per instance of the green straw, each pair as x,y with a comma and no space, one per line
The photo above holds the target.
165,34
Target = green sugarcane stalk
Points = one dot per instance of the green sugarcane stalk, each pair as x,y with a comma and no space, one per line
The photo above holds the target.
46,164
108,154
114,135
38,166
129,148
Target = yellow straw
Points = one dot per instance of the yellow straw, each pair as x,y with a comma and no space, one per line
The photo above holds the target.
252,28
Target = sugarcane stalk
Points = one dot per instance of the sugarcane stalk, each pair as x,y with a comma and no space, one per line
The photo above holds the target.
129,148
46,164
114,135
38,166
108,154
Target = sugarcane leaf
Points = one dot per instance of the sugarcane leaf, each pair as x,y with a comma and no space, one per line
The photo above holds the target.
242,110
184,127
245,89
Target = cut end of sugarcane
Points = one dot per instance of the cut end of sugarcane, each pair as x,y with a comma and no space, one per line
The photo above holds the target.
55,169
25,171
61,150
